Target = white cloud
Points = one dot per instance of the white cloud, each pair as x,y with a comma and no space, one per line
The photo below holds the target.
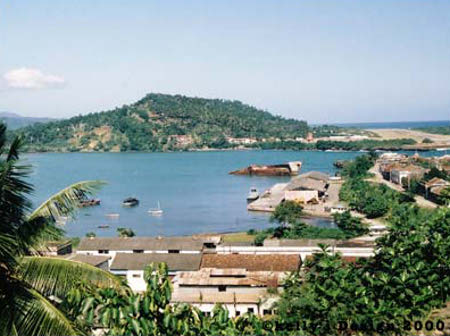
29,78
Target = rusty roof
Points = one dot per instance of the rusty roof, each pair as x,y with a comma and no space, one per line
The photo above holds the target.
228,277
201,297
174,261
253,262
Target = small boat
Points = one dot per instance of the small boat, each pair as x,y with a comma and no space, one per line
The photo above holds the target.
103,226
156,211
130,202
113,215
90,202
252,194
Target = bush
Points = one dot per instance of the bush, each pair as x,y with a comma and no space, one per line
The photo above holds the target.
351,226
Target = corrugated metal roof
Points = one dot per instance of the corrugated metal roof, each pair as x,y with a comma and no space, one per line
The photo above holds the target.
174,261
141,243
217,297
93,260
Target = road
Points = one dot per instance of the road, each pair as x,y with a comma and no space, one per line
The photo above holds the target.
378,178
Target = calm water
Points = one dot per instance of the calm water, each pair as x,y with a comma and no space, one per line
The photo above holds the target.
194,188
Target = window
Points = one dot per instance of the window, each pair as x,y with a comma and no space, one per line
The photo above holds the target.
267,312
136,275
251,310
138,251
238,313
174,251
103,251
222,288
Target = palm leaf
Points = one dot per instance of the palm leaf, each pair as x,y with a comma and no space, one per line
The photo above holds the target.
56,276
40,317
66,201
25,312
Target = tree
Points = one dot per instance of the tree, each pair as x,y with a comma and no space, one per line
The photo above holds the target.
286,212
351,226
28,283
125,232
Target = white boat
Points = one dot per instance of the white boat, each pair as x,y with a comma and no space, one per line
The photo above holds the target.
253,194
113,215
156,211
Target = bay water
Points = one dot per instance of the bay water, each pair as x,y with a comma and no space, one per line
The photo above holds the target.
194,189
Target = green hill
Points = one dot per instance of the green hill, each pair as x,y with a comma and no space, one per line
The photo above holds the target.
15,121
160,122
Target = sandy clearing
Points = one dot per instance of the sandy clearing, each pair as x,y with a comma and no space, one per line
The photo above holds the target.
393,133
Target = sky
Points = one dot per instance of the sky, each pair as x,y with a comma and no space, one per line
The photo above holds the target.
320,61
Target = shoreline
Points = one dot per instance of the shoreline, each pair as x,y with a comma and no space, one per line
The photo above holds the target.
424,148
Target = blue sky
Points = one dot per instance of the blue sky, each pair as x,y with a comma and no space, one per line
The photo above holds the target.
321,61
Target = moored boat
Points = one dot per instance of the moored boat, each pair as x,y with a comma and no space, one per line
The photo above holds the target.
90,202
156,211
130,202
252,194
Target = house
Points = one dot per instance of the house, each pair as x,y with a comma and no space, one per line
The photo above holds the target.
316,175
238,290
403,175
131,266
55,248
236,303
307,183
434,187
302,196
390,156
112,245
98,261
338,208
240,282
253,262
302,247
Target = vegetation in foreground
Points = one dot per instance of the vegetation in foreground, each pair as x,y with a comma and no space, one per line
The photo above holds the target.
29,284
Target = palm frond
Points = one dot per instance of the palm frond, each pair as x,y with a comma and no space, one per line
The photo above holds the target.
66,201
14,148
56,276
33,234
33,315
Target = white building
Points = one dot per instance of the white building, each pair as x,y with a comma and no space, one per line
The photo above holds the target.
112,245
240,283
131,266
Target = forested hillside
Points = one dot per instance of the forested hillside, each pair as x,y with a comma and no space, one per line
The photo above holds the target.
161,122
15,121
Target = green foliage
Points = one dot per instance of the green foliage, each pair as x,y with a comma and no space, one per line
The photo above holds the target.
407,277
427,141
358,167
28,283
445,130
287,212
91,234
251,232
368,144
125,232
154,122
351,226
373,200
435,172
